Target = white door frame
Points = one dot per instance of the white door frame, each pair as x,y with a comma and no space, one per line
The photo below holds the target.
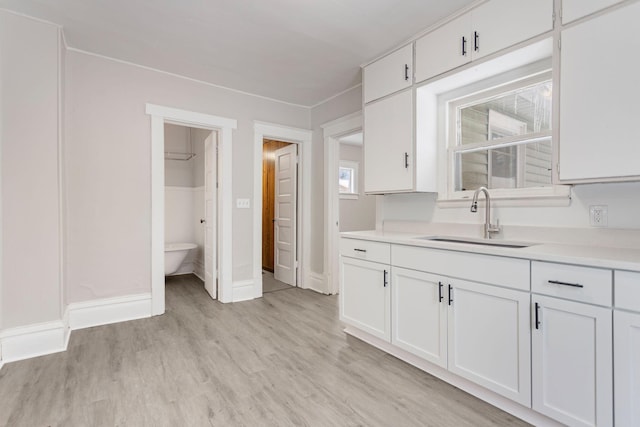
331,132
301,137
224,126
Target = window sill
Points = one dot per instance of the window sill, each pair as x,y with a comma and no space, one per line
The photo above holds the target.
349,196
559,195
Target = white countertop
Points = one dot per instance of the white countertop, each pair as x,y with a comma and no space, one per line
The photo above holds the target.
593,256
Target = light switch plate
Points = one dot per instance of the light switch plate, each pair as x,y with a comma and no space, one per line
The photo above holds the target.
243,203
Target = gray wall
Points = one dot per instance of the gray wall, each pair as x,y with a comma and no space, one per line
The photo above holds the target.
30,173
357,214
181,139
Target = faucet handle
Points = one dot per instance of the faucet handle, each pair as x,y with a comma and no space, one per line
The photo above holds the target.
494,228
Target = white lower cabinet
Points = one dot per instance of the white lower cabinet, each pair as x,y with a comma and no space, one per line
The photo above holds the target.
489,338
572,361
365,296
626,345
419,314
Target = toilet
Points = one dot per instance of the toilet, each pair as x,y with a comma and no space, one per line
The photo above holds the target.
174,256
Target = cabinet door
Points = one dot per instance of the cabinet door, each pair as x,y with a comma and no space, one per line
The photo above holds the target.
489,338
575,9
626,346
599,94
365,296
388,144
572,362
389,74
419,314
444,49
498,24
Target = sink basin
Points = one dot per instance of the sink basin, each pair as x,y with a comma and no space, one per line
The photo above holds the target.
473,241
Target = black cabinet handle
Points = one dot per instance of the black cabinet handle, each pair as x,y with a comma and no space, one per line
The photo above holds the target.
384,279
450,297
537,313
573,285
406,72
476,41
360,250
406,160
464,46
440,297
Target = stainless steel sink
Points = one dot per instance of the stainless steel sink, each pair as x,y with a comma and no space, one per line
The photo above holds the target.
473,241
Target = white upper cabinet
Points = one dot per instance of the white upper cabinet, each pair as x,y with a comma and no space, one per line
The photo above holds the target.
599,94
390,74
493,26
388,144
575,9
498,24
444,49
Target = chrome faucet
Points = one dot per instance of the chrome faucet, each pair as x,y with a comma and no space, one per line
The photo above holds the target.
488,227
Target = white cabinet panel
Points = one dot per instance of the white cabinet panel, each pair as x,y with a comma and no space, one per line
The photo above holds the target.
493,26
389,74
388,144
575,9
627,290
498,24
599,94
444,49
365,296
626,335
489,338
419,314
572,362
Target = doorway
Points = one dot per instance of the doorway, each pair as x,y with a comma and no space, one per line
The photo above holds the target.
224,128
279,214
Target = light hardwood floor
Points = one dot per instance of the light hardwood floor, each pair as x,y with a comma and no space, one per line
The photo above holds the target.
281,360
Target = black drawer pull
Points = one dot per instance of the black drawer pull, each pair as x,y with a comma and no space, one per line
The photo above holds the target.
360,250
385,282
464,46
406,72
537,316
450,297
440,297
557,282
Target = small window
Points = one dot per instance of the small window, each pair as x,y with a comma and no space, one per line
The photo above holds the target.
348,179
501,138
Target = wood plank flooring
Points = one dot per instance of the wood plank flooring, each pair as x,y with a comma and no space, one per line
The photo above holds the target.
281,360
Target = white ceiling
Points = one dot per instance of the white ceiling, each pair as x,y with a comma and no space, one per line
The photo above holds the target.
298,51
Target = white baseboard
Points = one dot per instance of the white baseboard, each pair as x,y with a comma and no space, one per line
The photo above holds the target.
316,282
32,341
243,290
109,310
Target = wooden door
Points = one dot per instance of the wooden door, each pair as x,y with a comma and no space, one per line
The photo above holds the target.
285,230
268,202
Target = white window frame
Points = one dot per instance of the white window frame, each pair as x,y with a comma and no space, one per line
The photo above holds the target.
449,102
354,166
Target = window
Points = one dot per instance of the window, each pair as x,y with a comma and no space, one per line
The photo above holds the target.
500,138
348,179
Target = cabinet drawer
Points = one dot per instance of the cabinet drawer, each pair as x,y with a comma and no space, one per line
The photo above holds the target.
585,284
495,270
627,290
366,249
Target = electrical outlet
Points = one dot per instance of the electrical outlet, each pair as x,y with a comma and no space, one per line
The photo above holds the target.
243,203
598,215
